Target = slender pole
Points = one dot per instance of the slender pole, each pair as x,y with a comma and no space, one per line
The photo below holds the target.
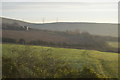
43,20
57,20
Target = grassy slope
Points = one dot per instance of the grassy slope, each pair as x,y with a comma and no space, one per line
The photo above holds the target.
113,44
102,62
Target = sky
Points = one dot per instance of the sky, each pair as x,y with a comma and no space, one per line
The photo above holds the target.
102,11
59,0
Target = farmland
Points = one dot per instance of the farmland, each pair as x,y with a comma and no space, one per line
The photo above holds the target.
113,44
25,61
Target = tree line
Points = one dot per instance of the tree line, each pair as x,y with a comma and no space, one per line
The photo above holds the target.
100,46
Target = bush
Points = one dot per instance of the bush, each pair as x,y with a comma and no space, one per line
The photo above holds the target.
8,40
21,41
88,73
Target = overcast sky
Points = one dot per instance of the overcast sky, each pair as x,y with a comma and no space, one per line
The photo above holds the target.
59,0
102,11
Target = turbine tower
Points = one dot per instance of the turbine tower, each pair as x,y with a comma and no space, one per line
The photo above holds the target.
43,20
57,20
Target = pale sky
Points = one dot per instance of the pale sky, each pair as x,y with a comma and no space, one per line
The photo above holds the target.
100,11
59,0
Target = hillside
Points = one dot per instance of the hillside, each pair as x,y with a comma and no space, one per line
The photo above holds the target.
14,30
19,57
103,29
60,39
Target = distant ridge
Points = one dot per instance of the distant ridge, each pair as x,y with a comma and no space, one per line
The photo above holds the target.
103,29
52,22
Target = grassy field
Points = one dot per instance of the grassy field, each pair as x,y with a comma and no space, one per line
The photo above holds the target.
113,44
37,61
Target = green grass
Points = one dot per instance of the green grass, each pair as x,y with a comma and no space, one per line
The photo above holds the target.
102,63
113,44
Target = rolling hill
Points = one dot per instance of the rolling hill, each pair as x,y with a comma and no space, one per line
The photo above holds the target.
94,46
102,29
62,36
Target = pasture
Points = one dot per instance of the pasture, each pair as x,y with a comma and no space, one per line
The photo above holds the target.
25,61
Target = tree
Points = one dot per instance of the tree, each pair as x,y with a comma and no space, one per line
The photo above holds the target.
8,40
21,41
88,73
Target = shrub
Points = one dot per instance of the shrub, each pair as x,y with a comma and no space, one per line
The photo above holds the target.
8,40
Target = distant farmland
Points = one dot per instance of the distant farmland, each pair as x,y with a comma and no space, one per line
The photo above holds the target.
63,39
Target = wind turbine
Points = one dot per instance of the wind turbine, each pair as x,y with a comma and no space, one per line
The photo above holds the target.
57,20
43,20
